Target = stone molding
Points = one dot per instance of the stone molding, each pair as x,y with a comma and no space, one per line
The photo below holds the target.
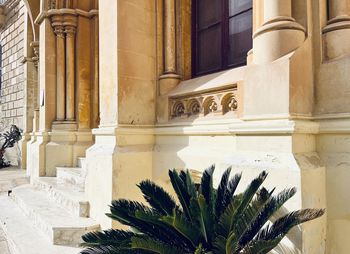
279,23
75,12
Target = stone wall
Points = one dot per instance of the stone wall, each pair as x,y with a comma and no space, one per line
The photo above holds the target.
12,72
12,76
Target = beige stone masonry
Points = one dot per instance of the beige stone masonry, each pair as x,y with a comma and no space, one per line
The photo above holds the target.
279,35
336,33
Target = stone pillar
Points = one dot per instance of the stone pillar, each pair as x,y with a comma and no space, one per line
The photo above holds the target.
279,35
170,78
336,33
169,37
60,67
70,72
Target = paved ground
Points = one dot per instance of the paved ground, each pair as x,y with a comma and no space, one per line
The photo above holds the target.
3,243
9,178
12,177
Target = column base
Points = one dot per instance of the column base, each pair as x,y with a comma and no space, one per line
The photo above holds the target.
25,139
36,154
46,151
167,82
64,126
276,38
336,37
119,159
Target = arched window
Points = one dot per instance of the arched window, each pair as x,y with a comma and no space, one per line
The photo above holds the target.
222,34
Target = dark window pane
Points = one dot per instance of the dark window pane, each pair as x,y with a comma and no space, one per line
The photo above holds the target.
237,6
209,50
209,12
240,37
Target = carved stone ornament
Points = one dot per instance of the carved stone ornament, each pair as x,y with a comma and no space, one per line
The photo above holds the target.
178,109
214,103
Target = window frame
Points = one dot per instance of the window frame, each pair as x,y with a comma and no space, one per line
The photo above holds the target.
225,42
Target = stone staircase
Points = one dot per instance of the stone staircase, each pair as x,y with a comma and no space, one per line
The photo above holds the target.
48,216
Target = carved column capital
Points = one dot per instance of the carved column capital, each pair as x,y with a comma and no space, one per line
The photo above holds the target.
59,31
35,46
70,31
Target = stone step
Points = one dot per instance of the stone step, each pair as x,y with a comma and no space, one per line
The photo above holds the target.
74,176
81,162
22,236
68,196
61,227
11,178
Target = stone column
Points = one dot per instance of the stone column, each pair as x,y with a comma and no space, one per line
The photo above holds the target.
60,67
337,32
70,72
279,35
169,37
170,78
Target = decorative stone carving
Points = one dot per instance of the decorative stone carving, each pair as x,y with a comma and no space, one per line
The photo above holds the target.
214,103
194,107
178,109
35,46
52,4
229,103
210,105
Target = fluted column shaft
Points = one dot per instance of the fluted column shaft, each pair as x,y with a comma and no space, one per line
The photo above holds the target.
70,72
169,37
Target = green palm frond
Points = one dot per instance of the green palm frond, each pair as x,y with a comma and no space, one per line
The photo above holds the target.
157,197
231,189
221,193
207,185
206,221
274,204
282,226
261,246
151,245
112,237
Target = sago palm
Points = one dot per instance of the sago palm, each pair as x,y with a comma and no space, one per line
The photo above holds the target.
206,220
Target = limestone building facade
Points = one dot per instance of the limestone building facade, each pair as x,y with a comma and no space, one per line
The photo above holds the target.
12,88
123,90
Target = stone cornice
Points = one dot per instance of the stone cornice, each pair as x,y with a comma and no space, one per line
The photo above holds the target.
73,12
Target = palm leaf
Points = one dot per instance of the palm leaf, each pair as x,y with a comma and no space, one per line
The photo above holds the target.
261,246
169,234
153,246
181,192
221,193
274,204
231,189
157,197
282,226
106,238
183,227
